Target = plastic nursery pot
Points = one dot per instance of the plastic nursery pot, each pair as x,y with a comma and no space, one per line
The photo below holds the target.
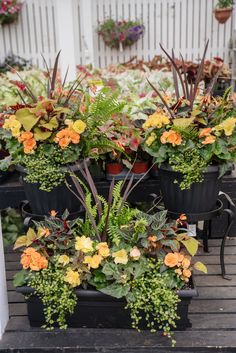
140,167
114,168
200,198
59,199
222,15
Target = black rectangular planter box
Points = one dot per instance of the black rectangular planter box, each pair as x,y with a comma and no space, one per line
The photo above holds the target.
97,310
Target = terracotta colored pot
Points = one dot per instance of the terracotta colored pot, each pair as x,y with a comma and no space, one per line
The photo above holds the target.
114,168
222,15
140,167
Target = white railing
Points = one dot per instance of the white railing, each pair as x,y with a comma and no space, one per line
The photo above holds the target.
184,25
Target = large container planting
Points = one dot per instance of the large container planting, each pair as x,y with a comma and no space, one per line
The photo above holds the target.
97,310
200,198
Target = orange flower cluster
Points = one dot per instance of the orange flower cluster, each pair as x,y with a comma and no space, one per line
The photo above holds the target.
183,263
28,140
66,136
209,139
33,260
172,137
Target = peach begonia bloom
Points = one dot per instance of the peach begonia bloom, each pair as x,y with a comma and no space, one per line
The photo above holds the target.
120,257
29,145
209,140
171,259
187,273
93,261
135,253
27,135
205,132
103,249
172,137
33,260
186,263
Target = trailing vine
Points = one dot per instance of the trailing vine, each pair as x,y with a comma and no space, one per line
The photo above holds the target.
152,299
57,297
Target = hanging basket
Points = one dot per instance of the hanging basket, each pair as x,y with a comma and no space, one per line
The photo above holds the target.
222,15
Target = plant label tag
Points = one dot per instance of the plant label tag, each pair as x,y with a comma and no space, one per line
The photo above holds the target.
192,230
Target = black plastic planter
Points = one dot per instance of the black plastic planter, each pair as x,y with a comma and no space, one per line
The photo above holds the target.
97,310
59,199
200,198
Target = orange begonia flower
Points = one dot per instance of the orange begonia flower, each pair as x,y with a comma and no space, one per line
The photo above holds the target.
64,142
29,145
27,135
205,132
209,140
33,260
75,138
172,137
171,259
187,273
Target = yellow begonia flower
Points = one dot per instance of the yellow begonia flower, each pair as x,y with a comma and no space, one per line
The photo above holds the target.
103,249
227,125
120,257
79,126
151,139
13,125
93,261
64,260
158,119
84,244
72,277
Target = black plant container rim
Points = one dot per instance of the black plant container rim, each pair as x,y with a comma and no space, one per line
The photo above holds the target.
93,294
209,169
73,166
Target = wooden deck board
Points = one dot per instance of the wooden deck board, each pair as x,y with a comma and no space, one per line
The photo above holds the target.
213,317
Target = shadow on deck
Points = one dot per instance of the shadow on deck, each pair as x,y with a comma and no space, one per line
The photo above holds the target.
213,317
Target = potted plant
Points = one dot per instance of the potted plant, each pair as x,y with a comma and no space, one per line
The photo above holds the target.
193,142
9,11
101,271
223,10
53,132
120,34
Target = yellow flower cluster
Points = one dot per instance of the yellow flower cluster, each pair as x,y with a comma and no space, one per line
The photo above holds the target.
227,126
158,120
151,139
13,125
72,277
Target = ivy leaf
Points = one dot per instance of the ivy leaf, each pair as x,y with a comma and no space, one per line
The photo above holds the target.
21,241
26,118
200,267
116,290
19,278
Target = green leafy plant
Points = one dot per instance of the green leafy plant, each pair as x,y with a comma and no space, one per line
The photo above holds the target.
12,226
222,4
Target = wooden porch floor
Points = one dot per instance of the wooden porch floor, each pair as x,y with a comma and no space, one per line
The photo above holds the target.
213,317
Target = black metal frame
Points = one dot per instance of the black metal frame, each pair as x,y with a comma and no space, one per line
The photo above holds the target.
207,217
